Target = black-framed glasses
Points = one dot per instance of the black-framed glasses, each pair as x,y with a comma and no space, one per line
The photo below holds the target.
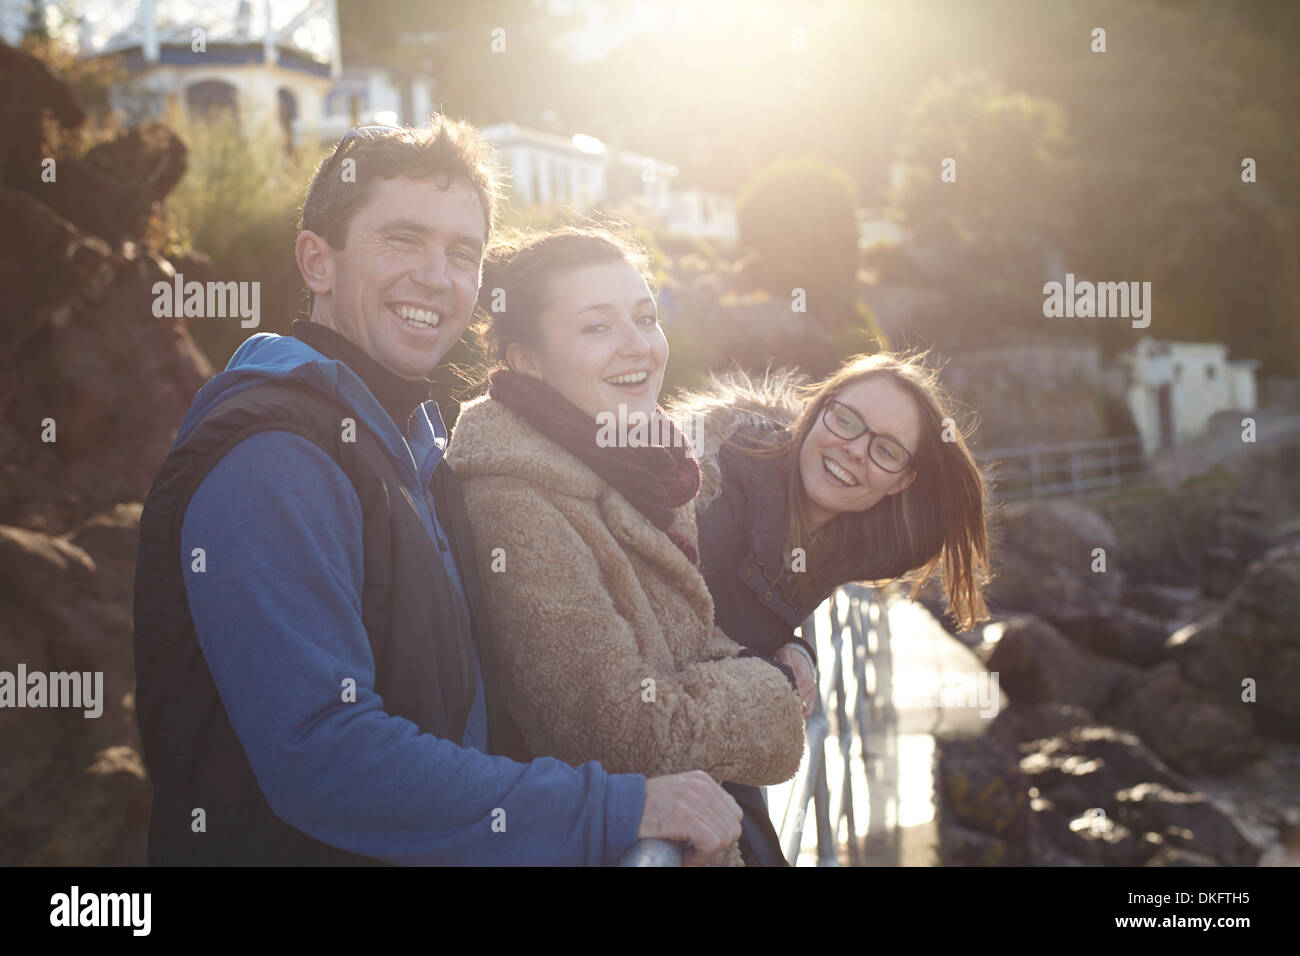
844,422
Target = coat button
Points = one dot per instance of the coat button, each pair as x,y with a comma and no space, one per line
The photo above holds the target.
749,572
767,596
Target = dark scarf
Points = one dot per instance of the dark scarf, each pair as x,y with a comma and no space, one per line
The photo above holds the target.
654,479
399,396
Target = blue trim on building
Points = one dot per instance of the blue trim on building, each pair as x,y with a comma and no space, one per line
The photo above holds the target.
221,54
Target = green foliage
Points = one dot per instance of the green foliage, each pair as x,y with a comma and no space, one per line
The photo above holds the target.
798,217
239,205
985,233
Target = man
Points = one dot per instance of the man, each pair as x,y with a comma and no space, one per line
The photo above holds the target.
309,683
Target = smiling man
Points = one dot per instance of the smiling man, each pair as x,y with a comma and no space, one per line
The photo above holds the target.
308,620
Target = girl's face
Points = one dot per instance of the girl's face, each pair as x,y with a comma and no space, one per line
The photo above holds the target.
601,343
837,474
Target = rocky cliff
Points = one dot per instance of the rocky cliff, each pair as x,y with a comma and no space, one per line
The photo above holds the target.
92,389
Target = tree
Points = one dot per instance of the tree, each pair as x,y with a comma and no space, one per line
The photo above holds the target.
797,216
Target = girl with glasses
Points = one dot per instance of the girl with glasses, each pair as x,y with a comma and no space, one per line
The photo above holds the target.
806,487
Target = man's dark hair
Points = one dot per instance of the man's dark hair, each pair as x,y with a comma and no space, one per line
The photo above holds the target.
445,151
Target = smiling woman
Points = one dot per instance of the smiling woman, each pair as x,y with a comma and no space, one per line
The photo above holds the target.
603,634
865,475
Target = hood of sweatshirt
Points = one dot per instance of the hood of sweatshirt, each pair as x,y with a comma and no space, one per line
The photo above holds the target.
726,404
266,357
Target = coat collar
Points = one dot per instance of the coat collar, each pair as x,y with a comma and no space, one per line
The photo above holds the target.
489,440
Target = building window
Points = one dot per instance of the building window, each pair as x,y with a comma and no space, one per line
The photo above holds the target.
1211,372
209,97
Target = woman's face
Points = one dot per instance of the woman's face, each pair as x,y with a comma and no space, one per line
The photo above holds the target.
601,343
837,474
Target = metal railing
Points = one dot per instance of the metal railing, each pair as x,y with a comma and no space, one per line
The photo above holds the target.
1065,468
858,614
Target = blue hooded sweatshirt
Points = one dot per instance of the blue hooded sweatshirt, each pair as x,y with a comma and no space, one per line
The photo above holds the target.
278,618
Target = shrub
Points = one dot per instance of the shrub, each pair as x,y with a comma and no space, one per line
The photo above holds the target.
797,216
238,204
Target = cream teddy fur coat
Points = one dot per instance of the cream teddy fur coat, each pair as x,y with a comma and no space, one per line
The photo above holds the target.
602,628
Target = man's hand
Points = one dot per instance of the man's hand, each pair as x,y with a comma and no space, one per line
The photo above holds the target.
797,661
692,808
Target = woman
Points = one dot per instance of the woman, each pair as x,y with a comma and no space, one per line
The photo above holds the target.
862,477
604,642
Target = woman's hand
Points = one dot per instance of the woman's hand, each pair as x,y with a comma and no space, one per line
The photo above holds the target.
796,658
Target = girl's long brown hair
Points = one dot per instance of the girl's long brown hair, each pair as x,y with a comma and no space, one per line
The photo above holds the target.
936,523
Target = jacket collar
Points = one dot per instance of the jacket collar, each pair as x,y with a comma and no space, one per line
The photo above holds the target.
399,396
492,441
267,357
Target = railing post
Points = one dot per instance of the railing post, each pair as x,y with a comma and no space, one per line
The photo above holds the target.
1035,471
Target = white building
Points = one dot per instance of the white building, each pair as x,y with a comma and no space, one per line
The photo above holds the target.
580,172
695,214
272,64
549,170
374,95
1175,387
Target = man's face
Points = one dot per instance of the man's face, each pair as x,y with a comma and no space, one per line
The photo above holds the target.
405,282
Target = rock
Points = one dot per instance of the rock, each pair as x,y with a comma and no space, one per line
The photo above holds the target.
980,787
1035,663
1118,632
959,846
1180,856
1023,722
113,380
1098,761
1090,836
113,533
1168,602
1041,849
36,567
1045,559
1187,821
94,387
1184,724
1255,636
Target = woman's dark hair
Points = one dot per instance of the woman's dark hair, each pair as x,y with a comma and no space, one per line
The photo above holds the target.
518,275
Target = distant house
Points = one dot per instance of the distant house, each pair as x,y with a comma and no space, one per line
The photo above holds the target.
548,170
696,214
580,172
1175,387
250,59
375,95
